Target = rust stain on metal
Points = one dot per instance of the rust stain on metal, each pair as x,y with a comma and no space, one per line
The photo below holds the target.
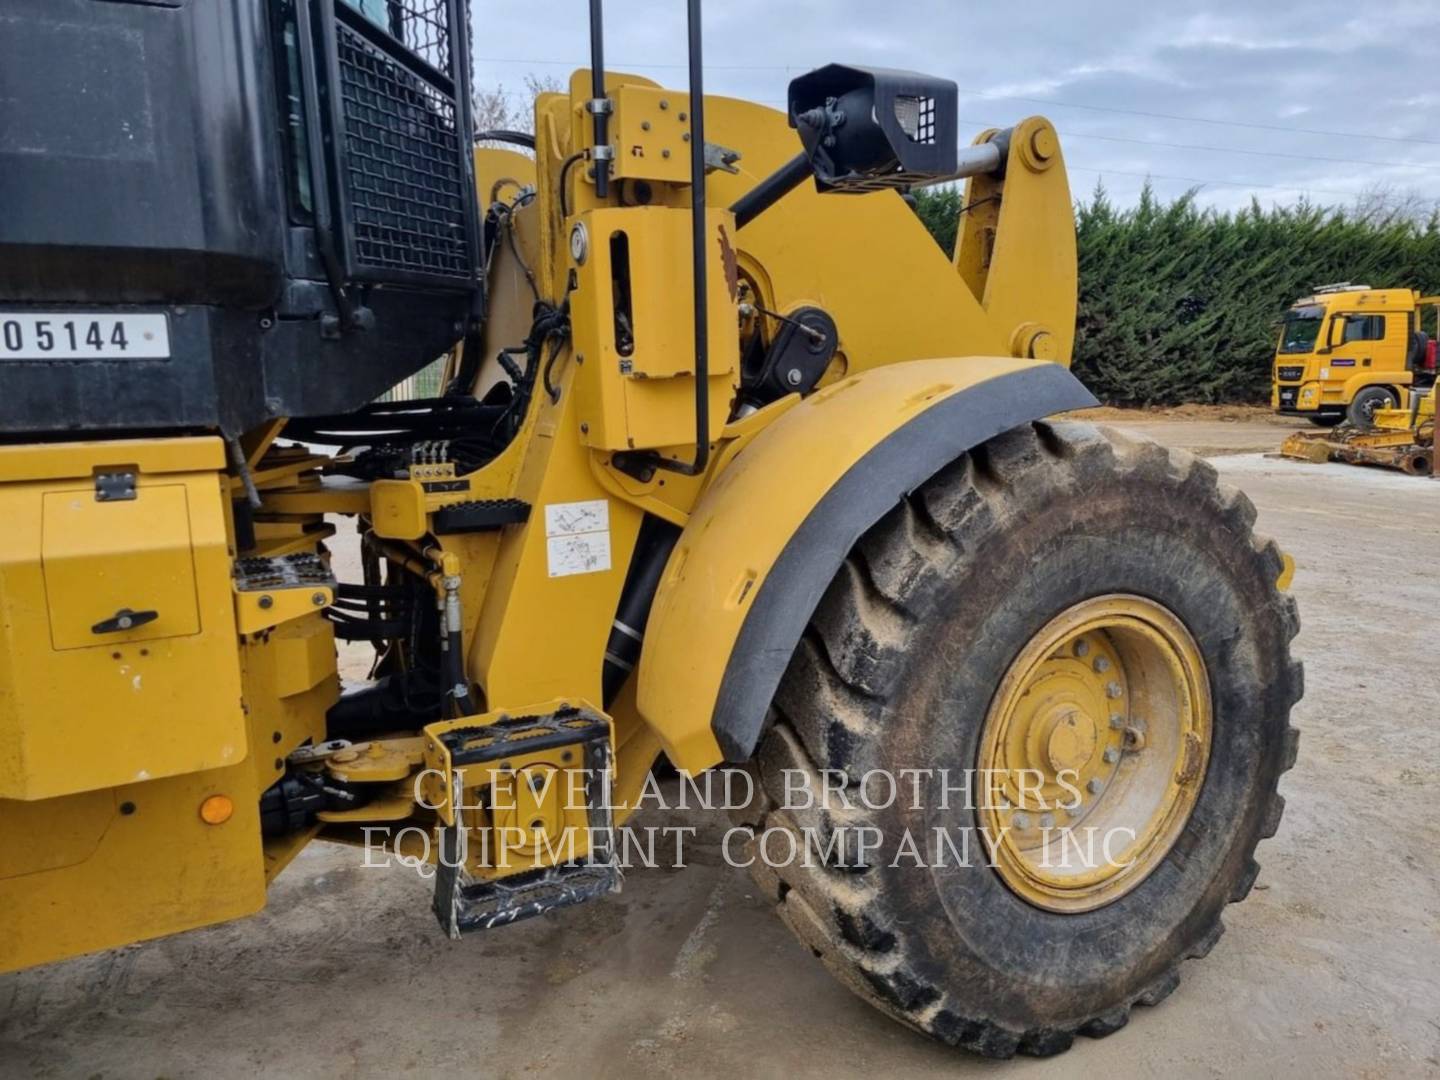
732,266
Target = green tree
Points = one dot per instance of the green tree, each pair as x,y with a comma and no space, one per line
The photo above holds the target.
1180,303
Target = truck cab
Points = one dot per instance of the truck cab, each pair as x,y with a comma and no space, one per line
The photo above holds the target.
1348,350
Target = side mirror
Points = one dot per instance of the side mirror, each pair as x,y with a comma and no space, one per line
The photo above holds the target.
866,129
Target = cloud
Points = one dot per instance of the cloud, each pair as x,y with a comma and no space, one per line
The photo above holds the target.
1314,80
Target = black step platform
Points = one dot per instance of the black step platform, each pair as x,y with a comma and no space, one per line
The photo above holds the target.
480,516
464,904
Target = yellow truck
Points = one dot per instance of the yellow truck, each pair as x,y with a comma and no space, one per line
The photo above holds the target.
1348,350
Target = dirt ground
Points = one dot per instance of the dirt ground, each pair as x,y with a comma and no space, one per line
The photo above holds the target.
1331,968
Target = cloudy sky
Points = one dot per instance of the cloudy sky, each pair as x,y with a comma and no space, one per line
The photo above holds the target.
1277,99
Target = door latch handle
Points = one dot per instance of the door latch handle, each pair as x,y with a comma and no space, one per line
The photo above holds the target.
124,619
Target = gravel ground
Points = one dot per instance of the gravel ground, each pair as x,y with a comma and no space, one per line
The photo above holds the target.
1332,967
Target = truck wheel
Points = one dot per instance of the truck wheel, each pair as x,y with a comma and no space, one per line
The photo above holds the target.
1367,402
1064,598
1326,420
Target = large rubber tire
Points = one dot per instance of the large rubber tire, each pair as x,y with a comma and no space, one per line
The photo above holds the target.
1361,411
897,671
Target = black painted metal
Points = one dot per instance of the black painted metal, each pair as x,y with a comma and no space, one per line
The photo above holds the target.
305,221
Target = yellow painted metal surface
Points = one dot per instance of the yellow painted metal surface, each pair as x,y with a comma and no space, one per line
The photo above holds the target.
81,708
257,610
130,862
744,520
518,810
651,134
635,371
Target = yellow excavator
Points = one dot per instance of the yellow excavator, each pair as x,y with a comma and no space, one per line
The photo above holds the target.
732,465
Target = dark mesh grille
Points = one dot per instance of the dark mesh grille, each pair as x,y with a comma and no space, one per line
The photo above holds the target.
402,171
422,26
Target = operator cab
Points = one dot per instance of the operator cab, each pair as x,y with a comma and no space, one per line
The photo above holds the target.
219,212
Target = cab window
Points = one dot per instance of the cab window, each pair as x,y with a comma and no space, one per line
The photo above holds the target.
1364,328
1301,327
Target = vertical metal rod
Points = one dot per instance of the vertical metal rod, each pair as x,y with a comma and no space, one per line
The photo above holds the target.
597,94
698,241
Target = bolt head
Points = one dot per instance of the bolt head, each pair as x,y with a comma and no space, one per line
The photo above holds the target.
1113,690
1101,664
267,602
1095,786
793,376
1021,821
1111,756
318,599
1116,721
1047,821
1082,647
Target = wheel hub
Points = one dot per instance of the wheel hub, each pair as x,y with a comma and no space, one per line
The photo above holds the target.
1072,742
1094,751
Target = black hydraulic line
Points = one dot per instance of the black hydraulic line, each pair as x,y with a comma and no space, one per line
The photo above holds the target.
771,190
622,650
599,105
517,138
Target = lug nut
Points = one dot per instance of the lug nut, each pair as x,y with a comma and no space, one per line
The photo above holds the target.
1095,786
1082,647
1116,721
1111,756
1112,690
1047,821
1021,821
1101,664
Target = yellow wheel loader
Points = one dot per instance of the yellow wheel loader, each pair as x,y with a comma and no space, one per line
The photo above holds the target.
732,465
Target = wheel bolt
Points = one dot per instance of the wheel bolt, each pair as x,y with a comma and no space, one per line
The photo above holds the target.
1095,786
1047,821
1112,690
1101,664
1116,721
1082,647
1111,756
1021,821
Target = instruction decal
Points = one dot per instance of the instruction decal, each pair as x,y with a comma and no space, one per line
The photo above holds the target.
577,537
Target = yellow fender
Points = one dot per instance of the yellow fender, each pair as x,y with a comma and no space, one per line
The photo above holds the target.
767,538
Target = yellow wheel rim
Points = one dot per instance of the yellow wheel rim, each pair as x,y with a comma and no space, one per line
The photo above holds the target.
1093,753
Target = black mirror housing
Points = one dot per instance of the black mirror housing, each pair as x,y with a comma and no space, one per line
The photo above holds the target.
869,129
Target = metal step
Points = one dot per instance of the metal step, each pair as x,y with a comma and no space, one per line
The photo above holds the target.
464,903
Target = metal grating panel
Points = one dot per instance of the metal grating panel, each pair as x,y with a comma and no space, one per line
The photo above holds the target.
402,172
422,26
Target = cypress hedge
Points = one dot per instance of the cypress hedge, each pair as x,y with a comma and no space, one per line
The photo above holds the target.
1180,303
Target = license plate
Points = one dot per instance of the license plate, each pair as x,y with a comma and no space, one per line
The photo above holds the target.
79,335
